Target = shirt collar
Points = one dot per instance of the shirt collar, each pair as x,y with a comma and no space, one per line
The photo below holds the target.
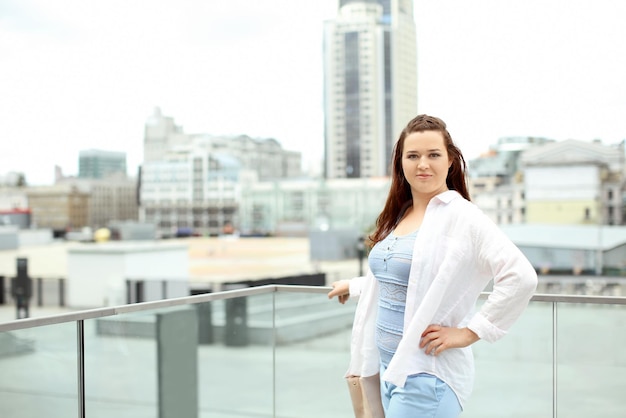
447,196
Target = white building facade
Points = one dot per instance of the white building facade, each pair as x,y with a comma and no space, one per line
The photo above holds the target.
191,183
12,197
161,134
193,192
163,138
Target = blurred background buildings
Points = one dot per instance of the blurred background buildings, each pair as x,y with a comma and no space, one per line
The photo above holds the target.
201,184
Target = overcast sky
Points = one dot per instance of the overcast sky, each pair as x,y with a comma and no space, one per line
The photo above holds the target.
77,74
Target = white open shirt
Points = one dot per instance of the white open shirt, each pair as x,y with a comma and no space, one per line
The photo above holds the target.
458,251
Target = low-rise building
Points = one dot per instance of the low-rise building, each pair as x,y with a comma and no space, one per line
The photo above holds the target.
572,249
294,207
17,217
496,180
191,193
112,199
574,182
60,207
191,183
543,181
13,198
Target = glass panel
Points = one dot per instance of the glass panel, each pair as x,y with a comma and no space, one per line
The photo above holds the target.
38,372
312,355
514,374
236,357
591,361
120,366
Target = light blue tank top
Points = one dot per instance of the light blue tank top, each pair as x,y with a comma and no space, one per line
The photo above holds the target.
390,262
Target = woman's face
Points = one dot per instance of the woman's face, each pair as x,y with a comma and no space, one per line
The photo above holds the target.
425,163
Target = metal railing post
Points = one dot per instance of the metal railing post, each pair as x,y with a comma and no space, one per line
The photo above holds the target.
81,367
128,292
61,292
39,291
2,290
554,360
139,296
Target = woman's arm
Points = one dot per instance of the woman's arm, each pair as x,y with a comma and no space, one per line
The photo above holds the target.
346,288
514,282
436,338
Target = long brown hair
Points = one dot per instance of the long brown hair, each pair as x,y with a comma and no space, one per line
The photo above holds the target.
400,197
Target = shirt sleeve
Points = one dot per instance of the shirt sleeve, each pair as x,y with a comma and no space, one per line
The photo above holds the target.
356,287
514,281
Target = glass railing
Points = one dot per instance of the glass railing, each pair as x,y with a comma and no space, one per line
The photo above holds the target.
39,372
281,351
562,358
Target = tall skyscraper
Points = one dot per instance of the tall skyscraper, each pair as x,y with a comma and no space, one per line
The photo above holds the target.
370,84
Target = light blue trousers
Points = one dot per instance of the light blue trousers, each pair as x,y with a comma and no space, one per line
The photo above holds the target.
423,396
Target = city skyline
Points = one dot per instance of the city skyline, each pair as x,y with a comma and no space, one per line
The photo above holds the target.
77,76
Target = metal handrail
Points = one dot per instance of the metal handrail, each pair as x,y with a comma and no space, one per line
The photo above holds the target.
250,291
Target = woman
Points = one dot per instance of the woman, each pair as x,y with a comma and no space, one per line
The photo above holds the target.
433,252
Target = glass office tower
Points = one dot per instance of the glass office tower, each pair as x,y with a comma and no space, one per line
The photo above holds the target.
370,82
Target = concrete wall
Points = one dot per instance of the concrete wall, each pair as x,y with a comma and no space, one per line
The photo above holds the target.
29,237
97,273
559,259
21,219
9,238
332,245
576,260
